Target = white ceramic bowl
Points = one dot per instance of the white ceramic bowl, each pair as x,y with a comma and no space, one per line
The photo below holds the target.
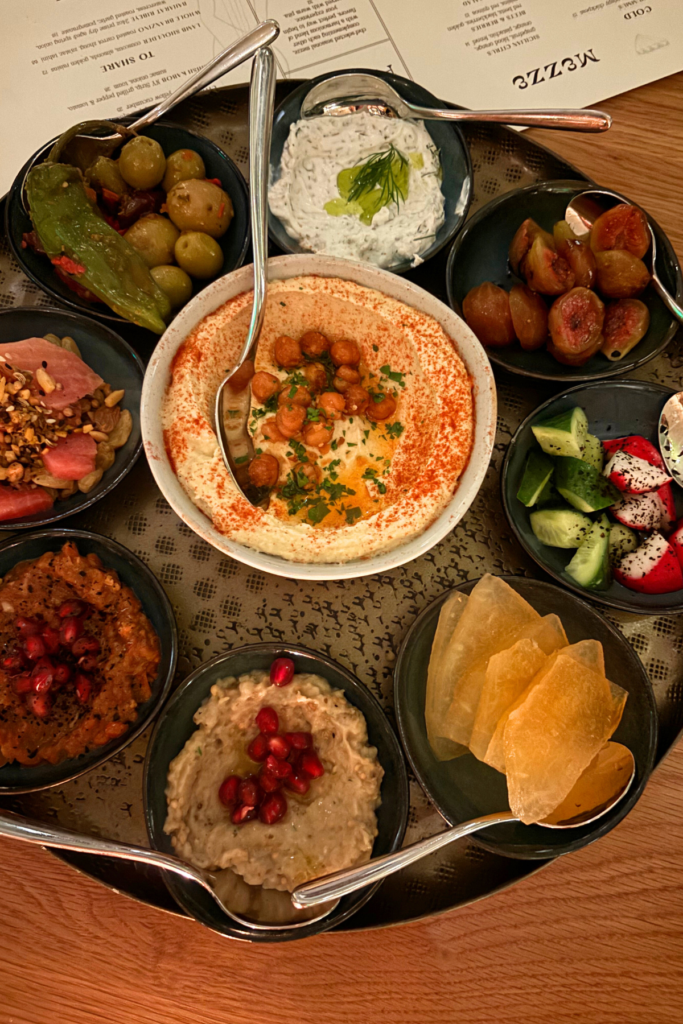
283,267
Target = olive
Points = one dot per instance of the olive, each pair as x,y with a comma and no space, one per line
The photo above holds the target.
196,205
182,165
142,162
154,237
175,283
199,254
104,173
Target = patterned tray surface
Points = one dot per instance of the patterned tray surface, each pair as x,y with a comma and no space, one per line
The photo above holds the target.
220,603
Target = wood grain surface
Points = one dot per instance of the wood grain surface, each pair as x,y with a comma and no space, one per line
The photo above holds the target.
596,938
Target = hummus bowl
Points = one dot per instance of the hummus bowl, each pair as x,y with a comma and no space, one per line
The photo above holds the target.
441,439
168,751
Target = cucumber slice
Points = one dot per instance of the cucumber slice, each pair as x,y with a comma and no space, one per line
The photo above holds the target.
560,527
592,453
583,486
590,565
621,541
563,434
537,473
548,494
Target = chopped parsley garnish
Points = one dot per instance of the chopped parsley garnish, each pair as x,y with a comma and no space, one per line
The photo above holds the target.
313,414
331,469
393,375
394,429
298,451
242,458
371,474
233,412
375,348
318,512
352,514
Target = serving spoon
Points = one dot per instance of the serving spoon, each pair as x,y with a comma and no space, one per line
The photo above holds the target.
602,785
670,433
584,210
353,93
233,398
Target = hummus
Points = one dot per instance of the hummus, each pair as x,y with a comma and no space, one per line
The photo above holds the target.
396,476
332,827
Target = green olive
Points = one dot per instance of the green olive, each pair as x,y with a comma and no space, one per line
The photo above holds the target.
182,165
154,237
199,254
175,283
142,162
104,173
197,205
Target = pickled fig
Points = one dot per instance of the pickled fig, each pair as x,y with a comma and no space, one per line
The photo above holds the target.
621,275
562,234
626,323
622,227
575,322
581,259
486,309
529,317
545,271
523,239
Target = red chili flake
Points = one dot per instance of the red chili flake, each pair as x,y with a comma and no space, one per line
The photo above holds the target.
215,181
91,194
68,265
221,210
111,197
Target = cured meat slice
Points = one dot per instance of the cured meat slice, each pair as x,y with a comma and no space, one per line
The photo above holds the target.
72,458
18,502
65,368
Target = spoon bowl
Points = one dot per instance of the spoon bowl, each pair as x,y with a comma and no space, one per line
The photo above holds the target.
670,436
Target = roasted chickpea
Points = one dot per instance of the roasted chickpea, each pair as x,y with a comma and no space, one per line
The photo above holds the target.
383,409
348,373
290,419
264,386
271,431
313,343
318,434
242,376
345,352
310,471
356,399
316,376
340,384
332,404
295,395
264,470
288,352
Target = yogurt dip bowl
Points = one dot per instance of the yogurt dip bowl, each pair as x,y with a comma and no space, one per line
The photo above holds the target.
443,321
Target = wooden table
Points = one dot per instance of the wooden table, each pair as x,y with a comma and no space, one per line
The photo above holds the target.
596,938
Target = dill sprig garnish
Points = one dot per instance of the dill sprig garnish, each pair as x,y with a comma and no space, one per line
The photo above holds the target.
385,170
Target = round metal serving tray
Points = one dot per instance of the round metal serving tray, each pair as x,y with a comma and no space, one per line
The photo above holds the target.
361,623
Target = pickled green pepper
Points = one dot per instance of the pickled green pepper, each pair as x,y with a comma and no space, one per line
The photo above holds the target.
69,225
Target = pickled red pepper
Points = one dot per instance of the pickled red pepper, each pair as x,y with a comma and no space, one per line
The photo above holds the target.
69,225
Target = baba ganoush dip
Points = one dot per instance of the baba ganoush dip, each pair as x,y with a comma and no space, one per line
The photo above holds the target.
332,826
374,482
319,164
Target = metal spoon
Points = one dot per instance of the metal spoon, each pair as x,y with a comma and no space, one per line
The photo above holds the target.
670,435
584,210
352,93
233,398
603,784
250,905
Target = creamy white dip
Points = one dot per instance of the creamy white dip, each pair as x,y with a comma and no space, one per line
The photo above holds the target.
314,154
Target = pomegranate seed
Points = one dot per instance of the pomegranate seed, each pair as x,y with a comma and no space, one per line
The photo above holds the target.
85,645
310,764
28,627
72,607
268,782
83,687
258,748
300,740
14,660
273,808
242,813
279,746
298,783
62,674
249,791
282,672
40,704
50,638
267,720
227,793
22,684
35,647
280,769
42,676
71,630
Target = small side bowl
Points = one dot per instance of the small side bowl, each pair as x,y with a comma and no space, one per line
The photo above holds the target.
614,409
234,243
15,778
466,788
456,184
176,725
480,253
115,361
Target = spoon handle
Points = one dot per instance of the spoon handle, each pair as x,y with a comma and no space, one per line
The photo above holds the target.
565,120
230,58
667,298
342,882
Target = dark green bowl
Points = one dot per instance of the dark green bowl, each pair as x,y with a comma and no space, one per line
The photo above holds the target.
234,243
16,778
117,364
480,253
614,409
176,726
466,788
449,140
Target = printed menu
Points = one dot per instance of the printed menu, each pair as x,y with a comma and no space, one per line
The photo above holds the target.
70,60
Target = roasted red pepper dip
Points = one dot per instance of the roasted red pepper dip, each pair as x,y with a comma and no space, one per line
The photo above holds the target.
78,657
